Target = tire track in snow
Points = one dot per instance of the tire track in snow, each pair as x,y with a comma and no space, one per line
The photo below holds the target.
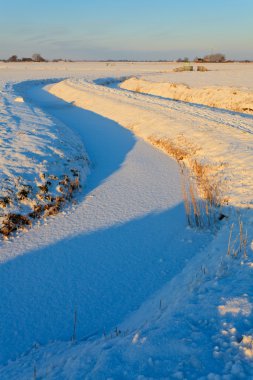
231,119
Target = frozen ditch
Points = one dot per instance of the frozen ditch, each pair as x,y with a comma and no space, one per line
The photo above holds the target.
125,247
106,255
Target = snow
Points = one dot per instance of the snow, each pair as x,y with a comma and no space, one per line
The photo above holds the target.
230,98
153,297
239,75
34,151
195,129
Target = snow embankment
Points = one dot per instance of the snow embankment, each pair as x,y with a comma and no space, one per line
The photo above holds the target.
198,326
230,98
42,163
218,141
106,256
125,242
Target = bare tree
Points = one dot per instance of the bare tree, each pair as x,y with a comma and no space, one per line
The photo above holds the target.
37,58
13,58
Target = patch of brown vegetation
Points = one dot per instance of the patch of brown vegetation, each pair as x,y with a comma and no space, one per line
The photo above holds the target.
12,222
202,198
209,190
24,192
183,68
5,201
173,149
43,188
51,209
37,211
53,177
201,188
65,181
48,205
202,68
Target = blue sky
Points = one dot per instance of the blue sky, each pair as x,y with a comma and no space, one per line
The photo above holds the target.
131,29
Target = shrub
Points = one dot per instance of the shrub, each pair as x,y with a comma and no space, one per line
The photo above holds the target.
215,58
183,68
202,68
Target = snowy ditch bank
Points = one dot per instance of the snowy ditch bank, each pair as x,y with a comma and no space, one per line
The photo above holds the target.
200,324
106,255
231,98
216,145
125,253
43,163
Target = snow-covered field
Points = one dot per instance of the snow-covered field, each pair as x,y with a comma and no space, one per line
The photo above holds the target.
116,285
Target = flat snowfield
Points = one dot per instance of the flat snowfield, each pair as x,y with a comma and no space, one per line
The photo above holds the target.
101,277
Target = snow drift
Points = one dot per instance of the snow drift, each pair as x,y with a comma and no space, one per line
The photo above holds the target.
230,98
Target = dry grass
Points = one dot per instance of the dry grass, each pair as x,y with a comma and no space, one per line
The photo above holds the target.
200,213
209,189
238,240
183,68
202,68
172,148
229,239
202,193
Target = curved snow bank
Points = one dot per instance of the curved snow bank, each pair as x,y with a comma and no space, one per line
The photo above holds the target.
220,141
104,256
198,326
221,97
42,163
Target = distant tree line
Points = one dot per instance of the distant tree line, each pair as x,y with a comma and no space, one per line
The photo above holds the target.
35,58
185,59
210,58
